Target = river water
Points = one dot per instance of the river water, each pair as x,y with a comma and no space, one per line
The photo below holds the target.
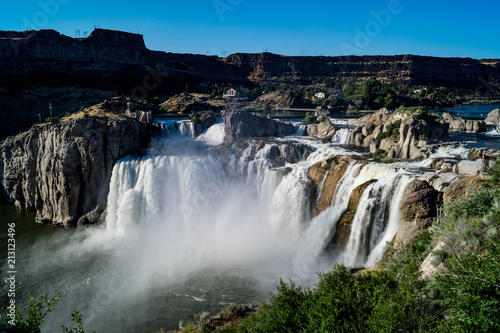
187,233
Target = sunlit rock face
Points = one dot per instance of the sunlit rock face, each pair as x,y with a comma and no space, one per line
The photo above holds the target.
63,170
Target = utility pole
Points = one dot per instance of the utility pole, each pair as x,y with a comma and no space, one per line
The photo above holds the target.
50,108
40,118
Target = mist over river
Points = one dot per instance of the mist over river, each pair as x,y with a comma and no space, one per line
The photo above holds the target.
189,231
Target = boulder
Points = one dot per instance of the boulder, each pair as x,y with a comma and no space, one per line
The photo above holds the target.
243,124
448,177
417,208
432,262
62,171
323,130
493,117
461,187
468,167
237,153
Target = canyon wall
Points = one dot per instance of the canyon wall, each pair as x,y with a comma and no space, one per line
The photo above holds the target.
107,52
63,170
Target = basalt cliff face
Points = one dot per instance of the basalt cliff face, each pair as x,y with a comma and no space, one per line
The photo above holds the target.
399,69
63,170
113,53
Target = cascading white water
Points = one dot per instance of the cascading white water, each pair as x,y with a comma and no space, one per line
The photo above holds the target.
214,135
323,227
187,129
168,128
492,130
377,218
342,136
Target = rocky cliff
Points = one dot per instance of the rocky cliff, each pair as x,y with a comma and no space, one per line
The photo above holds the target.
243,124
399,69
404,134
63,170
107,53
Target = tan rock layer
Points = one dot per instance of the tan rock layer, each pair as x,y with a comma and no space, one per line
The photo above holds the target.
345,222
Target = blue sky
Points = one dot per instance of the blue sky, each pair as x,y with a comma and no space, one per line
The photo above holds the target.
437,28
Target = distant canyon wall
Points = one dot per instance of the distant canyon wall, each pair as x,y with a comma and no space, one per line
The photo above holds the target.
107,53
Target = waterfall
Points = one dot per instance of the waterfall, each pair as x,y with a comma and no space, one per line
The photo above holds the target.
205,212
492,130
342,136
214,135
187,129
377,218
323,227
168,128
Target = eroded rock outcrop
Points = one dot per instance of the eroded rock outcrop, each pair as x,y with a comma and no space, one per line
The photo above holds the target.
202,121
403,134
323,130
63,170
237,153
418,209
243,124
464,125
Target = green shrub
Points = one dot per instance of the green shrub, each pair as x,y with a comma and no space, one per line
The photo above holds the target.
494,172
52,120
471,289
195,118
392,131
379,153
310,119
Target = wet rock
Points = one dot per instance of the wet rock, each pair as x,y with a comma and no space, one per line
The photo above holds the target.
238,152
203,120
345,222
417,208
325,176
